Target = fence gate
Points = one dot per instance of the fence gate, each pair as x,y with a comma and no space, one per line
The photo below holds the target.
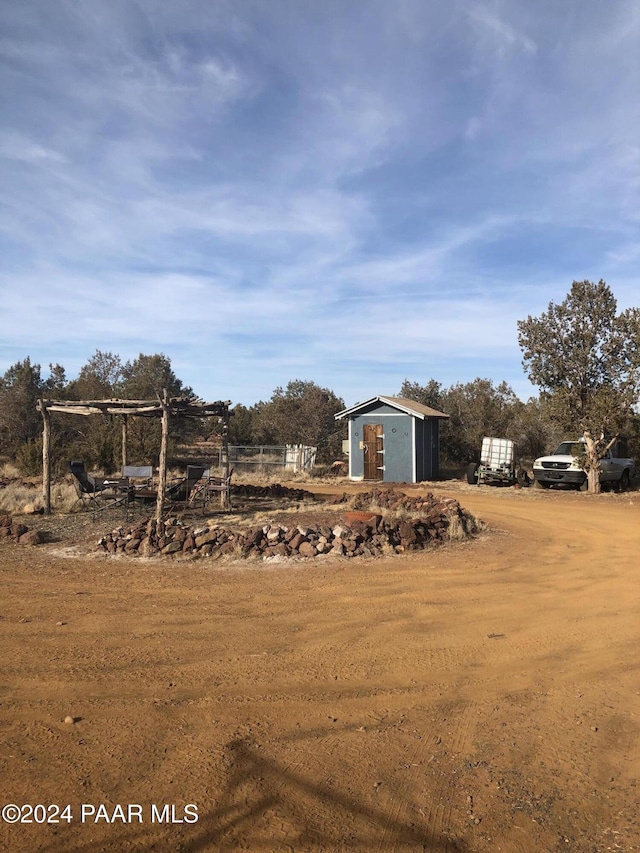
300,457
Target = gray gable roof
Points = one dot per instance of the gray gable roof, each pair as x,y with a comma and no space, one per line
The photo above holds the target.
408,406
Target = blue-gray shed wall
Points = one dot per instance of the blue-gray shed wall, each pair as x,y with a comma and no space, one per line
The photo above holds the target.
397,444
410,444
427,449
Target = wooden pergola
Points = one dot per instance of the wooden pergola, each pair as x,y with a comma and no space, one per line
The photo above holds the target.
163,408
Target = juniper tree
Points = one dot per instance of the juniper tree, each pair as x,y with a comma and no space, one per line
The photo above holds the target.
584,357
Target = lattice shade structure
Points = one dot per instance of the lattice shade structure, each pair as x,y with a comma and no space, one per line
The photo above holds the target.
164,408
175,406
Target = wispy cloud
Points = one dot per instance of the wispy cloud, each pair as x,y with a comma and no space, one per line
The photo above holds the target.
496,34
334,191
13,146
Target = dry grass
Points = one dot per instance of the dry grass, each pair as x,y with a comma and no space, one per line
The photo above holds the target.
15,496
64,497
20,492
455,529
8,471
268,477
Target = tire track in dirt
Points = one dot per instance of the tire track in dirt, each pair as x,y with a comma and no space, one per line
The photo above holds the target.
400,798
426,777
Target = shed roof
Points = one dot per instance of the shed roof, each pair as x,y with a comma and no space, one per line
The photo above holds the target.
408,406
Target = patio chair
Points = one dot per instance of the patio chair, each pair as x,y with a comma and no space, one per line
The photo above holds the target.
139,484
144,473
205,487
88,488
96,493
181,489
219,486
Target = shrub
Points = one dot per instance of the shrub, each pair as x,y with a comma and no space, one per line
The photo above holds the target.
29,458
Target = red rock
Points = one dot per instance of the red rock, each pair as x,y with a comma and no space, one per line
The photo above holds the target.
31,537
369,518
296,542
306,549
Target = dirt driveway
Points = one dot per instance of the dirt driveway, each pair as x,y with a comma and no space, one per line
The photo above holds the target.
480,697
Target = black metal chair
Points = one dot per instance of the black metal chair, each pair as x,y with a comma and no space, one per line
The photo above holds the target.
88,488
202,486
218,486
198,487
181,489
97,493
141,490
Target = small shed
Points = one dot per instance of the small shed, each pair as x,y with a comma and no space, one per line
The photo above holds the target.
393,440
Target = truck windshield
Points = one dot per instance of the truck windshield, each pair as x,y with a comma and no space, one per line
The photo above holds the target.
569,448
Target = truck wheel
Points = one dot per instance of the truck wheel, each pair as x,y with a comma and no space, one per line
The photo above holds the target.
472,473
541,484
624,481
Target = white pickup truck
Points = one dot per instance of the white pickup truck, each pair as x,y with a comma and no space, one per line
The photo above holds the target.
562,468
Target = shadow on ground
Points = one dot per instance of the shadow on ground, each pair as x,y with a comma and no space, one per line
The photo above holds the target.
267,807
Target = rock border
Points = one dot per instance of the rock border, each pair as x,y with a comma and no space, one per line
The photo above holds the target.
383,522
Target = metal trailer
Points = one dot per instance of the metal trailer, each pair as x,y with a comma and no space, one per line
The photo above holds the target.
497,464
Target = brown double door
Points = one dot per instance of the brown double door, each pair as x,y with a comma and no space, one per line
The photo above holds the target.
373,452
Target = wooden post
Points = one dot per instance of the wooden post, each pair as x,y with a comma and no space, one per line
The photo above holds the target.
162,473
225,497
46,457
125,432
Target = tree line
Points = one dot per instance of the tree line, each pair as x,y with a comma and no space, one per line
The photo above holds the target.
95,439
301,413
582,354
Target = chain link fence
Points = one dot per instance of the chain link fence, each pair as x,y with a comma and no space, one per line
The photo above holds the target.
264,458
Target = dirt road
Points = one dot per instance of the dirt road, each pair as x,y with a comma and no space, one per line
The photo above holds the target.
480,697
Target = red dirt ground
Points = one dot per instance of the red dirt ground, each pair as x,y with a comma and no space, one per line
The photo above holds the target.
483,696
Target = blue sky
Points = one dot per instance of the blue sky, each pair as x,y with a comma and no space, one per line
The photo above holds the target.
352,192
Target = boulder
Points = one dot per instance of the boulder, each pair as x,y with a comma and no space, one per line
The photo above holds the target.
32,537
306,549
297,540
206,538
371,519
